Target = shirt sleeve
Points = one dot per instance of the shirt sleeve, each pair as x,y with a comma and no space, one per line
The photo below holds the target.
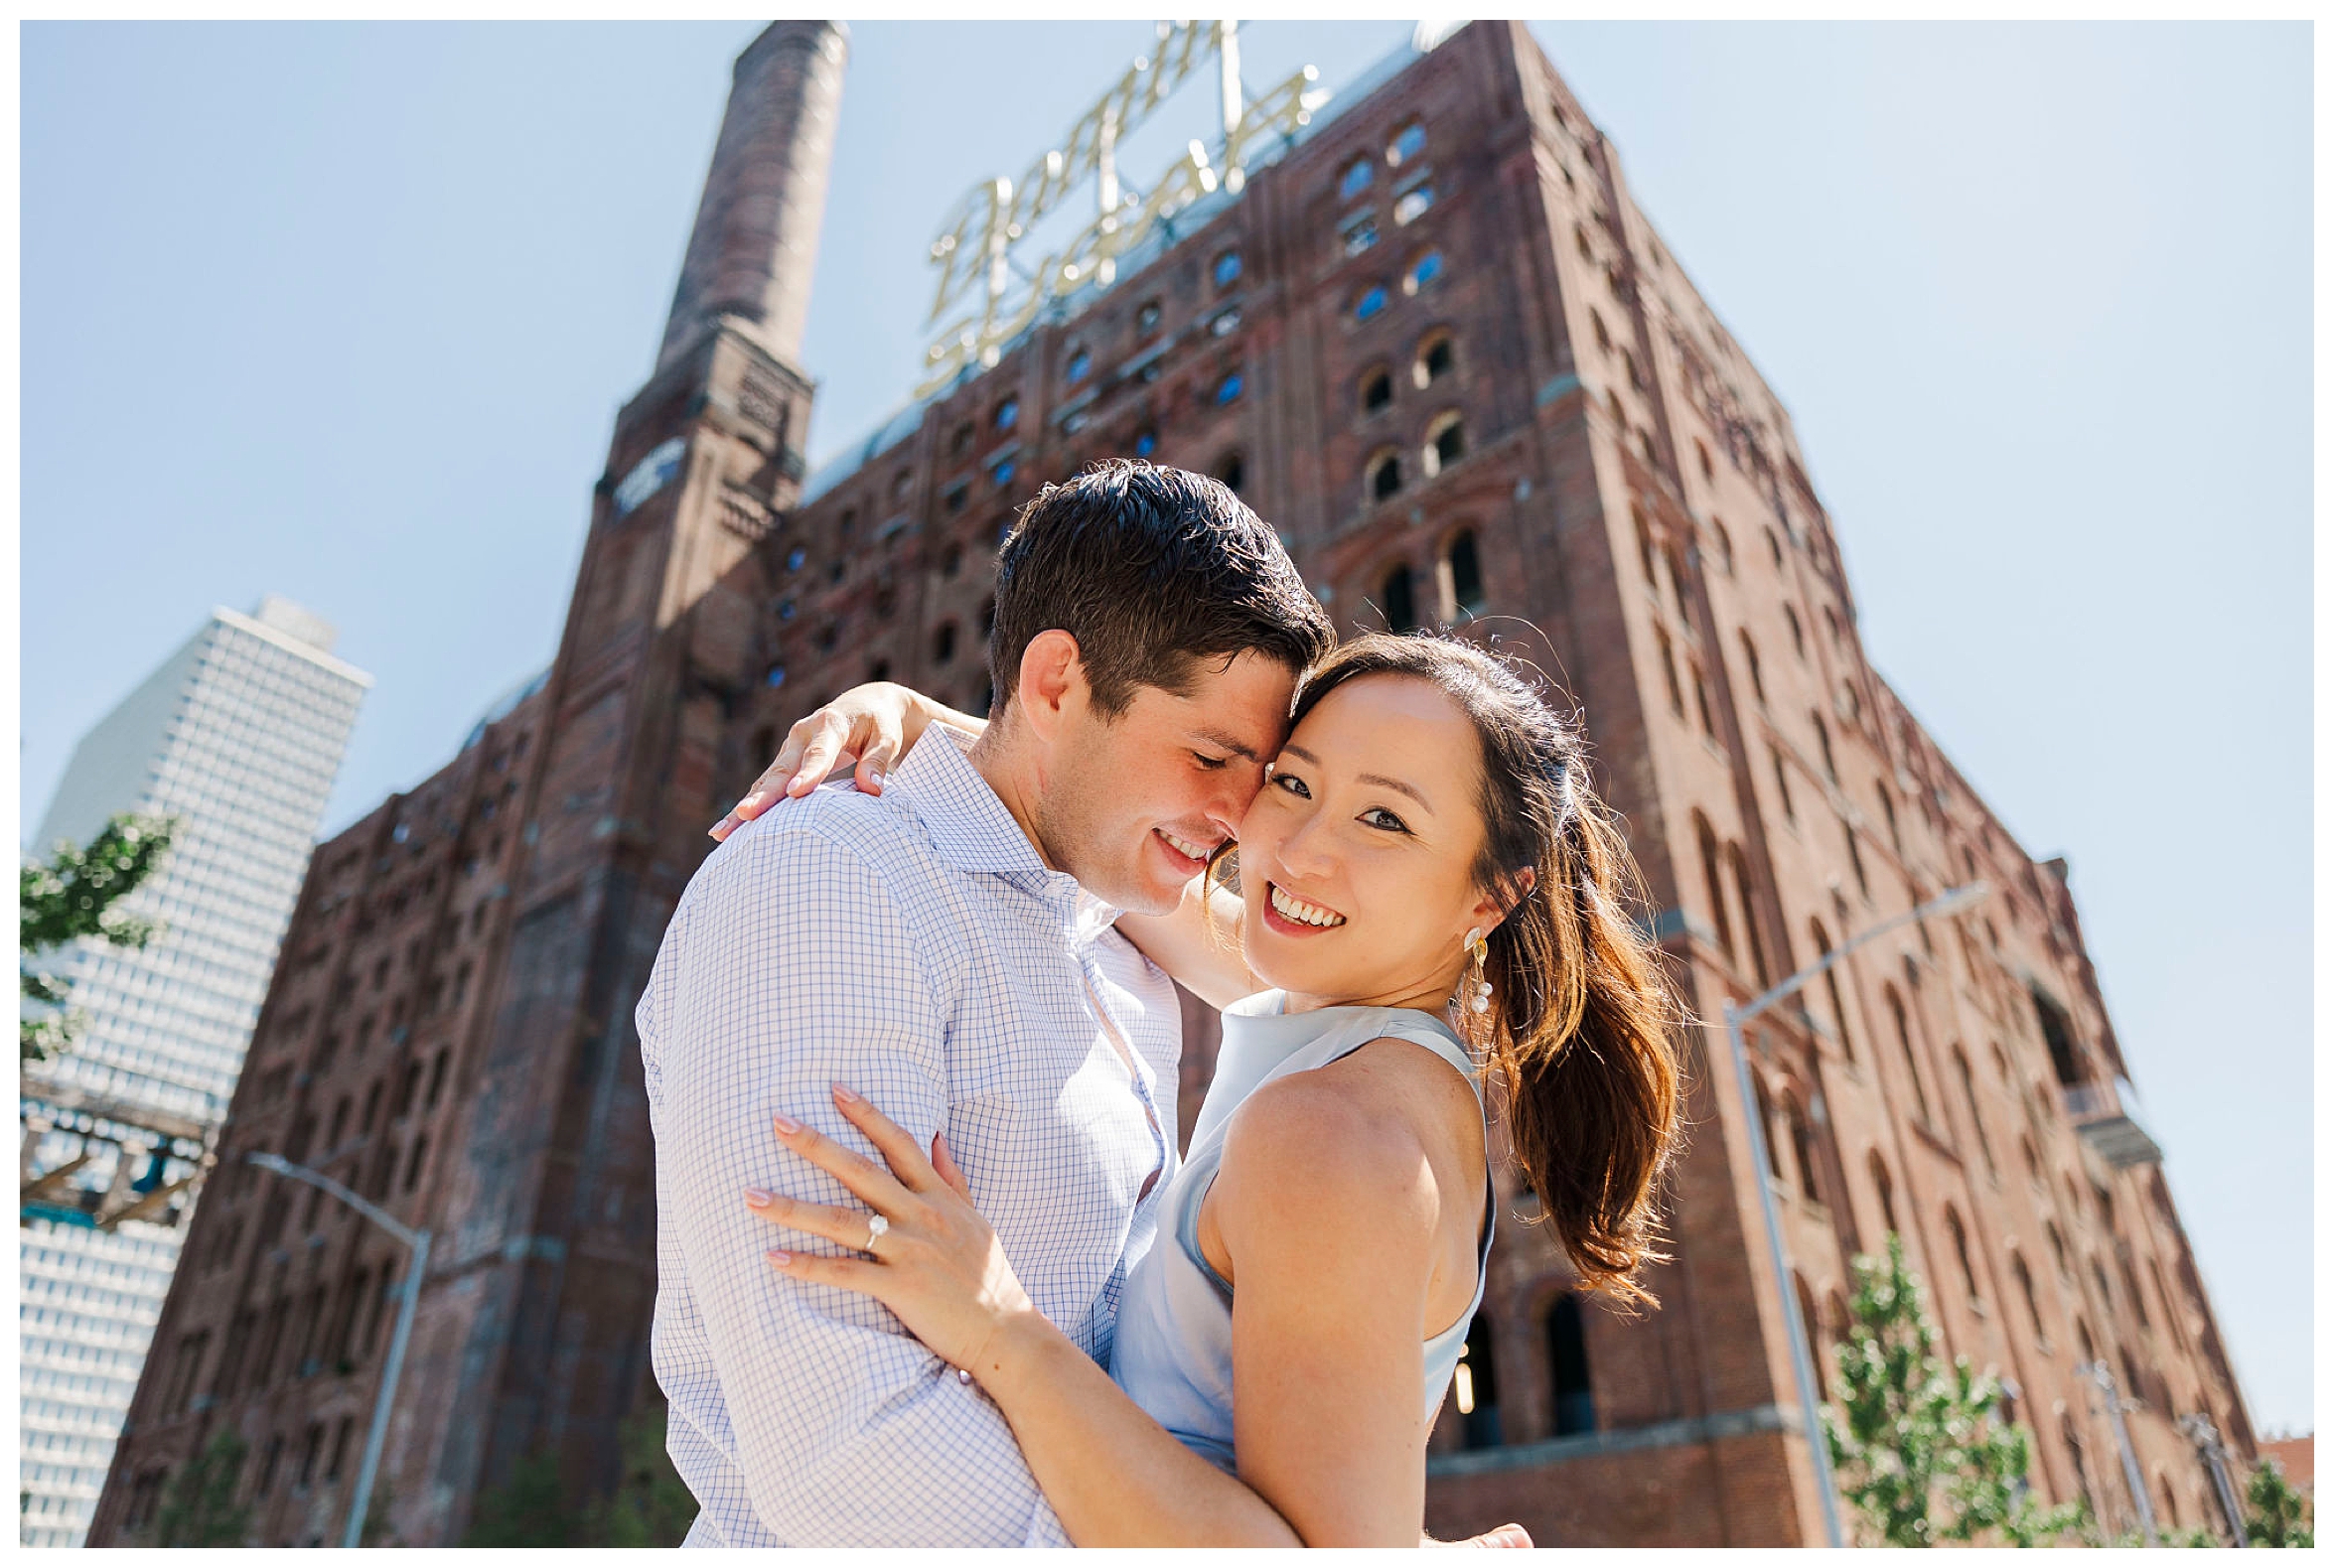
788,967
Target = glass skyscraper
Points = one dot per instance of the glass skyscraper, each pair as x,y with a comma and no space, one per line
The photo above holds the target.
237,735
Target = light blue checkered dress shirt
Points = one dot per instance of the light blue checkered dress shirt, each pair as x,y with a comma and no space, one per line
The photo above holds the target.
915,948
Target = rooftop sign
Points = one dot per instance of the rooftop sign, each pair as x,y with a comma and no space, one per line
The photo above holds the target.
973,252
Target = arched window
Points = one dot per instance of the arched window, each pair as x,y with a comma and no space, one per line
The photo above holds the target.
1435,360
1802,1148
1596,325
1706,842
1446,442
1960,1236
1227,269
2033,1159
1231,471
1358,234
1799,639
1904,1042
1475,1389
1146,318
1814,1329
1080,362
1356,178
2058,1249
1960,1066
1400,604
2085,1344
2025,1278
1644,550
1767,1130
1422,271
1376,390
1750,660
1882,1188
1576,1404
944,643
1371,302
1146,442
1750,920
1008,414
1824,740
1726,546
1466,574
1386,475
1228,389
1406,143
1412,203
2131,1290
1847,1044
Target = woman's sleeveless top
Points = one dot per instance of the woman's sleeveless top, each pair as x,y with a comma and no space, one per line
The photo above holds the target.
1172,1351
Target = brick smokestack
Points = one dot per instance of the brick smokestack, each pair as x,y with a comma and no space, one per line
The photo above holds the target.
757,233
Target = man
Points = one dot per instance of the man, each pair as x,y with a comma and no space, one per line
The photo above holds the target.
946,948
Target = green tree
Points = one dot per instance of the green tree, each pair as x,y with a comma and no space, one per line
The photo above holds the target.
2276,1515
652,1505
1920,1448
529,1508
199,1508
71,895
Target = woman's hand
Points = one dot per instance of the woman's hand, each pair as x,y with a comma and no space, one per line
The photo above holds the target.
936,1264
870,725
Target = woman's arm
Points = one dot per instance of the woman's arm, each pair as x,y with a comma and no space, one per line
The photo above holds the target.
1327,1210
873,726
1113,1475
1197,945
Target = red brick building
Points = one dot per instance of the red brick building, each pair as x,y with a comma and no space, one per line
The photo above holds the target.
1439,347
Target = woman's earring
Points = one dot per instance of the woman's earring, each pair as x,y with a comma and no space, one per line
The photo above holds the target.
1478,995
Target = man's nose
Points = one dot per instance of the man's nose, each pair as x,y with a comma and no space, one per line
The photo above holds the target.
1237,791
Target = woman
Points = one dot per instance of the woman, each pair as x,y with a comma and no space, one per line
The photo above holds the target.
1430,892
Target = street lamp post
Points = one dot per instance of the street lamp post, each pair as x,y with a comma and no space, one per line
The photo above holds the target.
1802,1358
417,1241
2199,1430
2098,1372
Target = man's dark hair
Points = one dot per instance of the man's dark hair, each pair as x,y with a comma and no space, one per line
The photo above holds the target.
1153,570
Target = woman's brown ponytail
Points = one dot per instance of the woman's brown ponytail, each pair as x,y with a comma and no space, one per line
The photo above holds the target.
1580,1031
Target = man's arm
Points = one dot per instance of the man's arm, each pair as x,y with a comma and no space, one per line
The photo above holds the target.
792,968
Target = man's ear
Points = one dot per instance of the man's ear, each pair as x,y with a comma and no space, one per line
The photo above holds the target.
1052,682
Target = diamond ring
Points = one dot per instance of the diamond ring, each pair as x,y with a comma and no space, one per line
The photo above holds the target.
876,1226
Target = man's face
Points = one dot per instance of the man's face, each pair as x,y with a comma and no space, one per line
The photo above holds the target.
1133,805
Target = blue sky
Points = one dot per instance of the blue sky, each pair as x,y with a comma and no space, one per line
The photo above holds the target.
343,312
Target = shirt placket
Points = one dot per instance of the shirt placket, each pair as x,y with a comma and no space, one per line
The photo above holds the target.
1081,947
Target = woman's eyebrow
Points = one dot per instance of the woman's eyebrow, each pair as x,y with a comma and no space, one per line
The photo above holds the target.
1396,785
1378,779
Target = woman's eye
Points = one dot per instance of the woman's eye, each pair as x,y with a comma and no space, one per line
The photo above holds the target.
1293,785
1379,816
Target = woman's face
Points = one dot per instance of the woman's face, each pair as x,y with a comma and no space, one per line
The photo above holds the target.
1356,860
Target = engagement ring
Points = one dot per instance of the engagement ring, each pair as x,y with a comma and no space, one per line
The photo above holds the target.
876,1226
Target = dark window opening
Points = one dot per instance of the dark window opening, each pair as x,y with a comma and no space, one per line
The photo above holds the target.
1568,1368
1467,575
1474,1389
1232,472
1376,391
1402,610
1386,477
2059,1035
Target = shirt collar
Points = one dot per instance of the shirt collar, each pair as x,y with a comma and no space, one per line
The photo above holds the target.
971,831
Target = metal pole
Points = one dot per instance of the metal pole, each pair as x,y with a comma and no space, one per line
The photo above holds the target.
2131,1478
418,1243
1802,1362
2206,1439
374,1439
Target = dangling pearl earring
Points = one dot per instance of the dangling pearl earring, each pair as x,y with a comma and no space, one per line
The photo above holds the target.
1479,1001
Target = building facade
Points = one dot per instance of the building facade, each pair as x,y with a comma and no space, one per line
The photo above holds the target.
1432,338
237,735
